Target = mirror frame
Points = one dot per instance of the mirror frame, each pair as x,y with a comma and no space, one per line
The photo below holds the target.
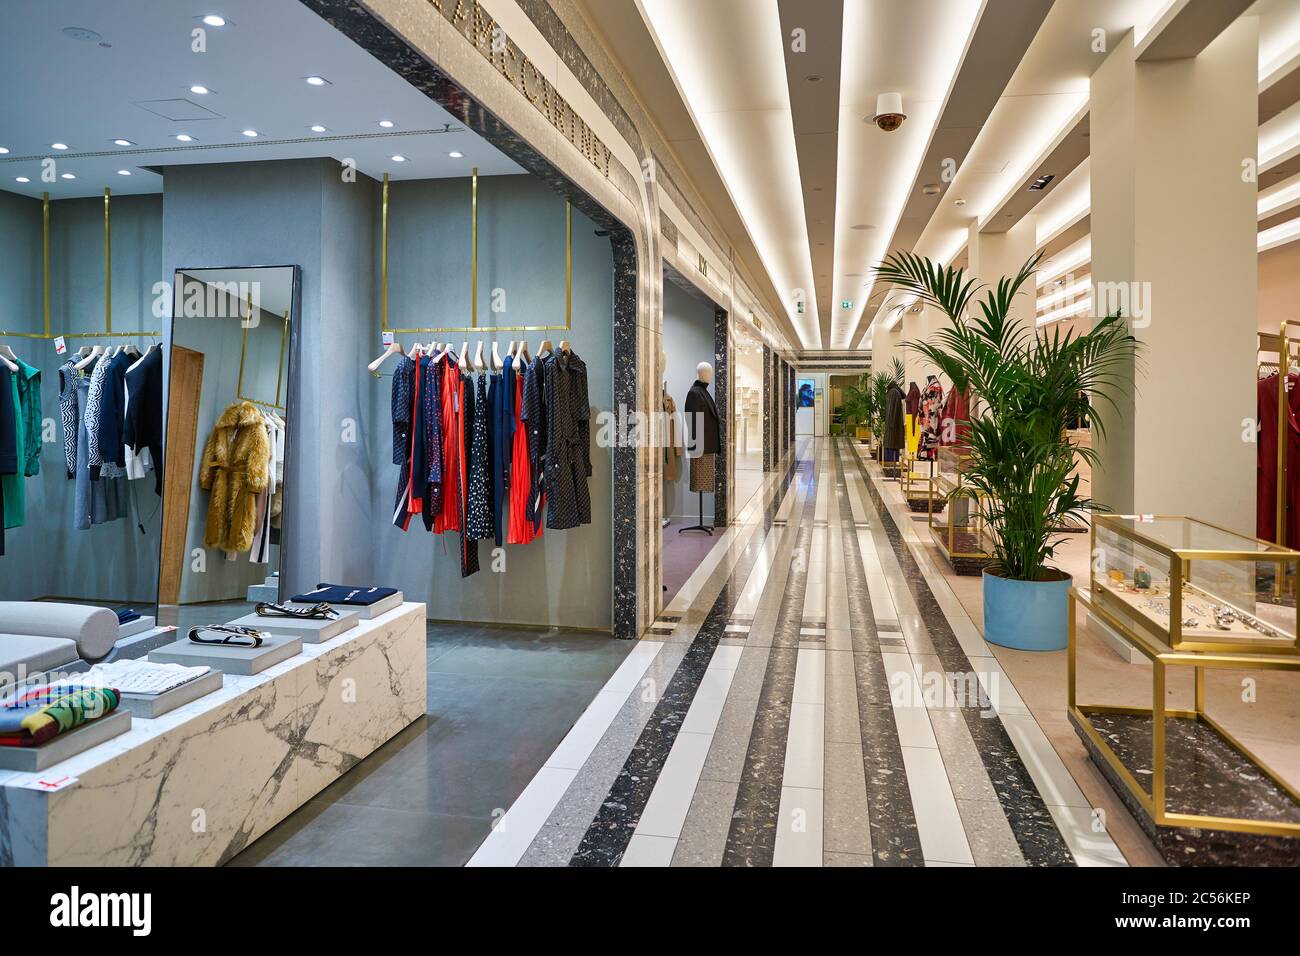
288,506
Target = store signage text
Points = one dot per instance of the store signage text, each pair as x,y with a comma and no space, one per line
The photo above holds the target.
488,37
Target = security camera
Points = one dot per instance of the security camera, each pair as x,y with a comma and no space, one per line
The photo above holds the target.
889,111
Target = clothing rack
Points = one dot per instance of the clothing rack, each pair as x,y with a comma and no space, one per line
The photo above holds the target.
1282,345
108,332
279,369
474,327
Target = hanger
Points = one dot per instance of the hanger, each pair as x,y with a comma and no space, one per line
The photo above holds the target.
522,351
478,357
137,362
564,346
393,349
95,352
131,349
462,362
545,347
7,356
496,358
510,349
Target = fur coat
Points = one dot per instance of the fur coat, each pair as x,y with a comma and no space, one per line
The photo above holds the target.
234,471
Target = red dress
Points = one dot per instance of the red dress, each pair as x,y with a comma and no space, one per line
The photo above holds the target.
519,529
1266,461
453,449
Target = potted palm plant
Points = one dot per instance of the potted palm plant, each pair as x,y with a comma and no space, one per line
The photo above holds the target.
856,410
1030,384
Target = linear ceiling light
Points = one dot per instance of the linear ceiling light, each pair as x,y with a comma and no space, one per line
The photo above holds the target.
934,47
727,58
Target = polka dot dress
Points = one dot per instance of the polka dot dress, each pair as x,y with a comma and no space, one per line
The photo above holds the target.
481,524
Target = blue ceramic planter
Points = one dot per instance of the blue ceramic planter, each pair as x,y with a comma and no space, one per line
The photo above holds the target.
1026,615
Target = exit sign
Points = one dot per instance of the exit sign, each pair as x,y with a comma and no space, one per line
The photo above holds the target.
846,304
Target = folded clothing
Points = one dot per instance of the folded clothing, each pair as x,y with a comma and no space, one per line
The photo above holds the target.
45,712
344,594
125,615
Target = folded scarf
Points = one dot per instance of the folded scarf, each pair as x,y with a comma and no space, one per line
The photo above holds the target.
43,714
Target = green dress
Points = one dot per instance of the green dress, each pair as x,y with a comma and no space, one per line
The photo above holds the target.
15,502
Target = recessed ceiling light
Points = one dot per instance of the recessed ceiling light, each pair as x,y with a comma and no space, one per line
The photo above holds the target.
456,154
185,137
67,176
123,142
316,80
1041,182
200,90
124,172
814,78
399,159
58,145
386,124
863,226
251,133
213,20
318,128
22,179
959,202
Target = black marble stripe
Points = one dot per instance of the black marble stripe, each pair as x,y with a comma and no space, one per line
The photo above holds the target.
1036,832
895,840
608,835
751,839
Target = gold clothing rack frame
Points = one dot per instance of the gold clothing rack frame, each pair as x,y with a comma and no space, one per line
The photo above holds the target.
279,369
108,332
474,327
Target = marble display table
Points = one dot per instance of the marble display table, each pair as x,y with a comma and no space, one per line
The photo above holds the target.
199,784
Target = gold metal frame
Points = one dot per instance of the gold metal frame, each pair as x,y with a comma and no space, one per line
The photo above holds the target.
279,369
474,327
948,544
1162,657
1180,570
108,332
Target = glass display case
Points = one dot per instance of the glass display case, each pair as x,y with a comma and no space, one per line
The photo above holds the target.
1195,586
958,528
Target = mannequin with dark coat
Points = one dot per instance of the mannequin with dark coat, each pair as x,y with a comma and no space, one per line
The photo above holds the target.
894,435
703,428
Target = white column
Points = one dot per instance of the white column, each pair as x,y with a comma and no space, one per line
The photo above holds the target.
994,255
1173,233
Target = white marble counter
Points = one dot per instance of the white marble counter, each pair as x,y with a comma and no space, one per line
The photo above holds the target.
197,785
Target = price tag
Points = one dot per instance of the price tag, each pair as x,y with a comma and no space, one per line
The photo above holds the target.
60,346
48,783
388,339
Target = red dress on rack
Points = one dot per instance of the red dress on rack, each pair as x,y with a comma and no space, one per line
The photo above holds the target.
453,449
1266,461
519,529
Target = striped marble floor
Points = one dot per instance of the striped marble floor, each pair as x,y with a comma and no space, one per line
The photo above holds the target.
814,695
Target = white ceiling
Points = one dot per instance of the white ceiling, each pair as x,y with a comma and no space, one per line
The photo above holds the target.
88,93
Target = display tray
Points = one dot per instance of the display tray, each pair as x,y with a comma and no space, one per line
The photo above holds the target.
230,660
149,706
364,612
1152,605
311,632
1206,776
965,556
65,745
138,626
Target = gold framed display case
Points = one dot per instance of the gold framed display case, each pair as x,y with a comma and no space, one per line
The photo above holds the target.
958,527
1212,786
1194,586
920,489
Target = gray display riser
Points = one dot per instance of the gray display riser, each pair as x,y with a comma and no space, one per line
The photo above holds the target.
311,632
149,706
364,612
36,759
262,592
242,661
145,623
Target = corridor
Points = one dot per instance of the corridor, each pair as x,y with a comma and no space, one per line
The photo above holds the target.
813,695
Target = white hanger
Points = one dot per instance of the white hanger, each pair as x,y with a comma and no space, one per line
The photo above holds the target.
564,346
393,349
141,358
7,356
496,357
545,347
463,362
510,349
522,351
478,357
95,353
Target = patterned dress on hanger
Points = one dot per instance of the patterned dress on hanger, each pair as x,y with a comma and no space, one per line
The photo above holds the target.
479,506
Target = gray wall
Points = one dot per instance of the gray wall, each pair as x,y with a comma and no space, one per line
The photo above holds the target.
111,562
301,213
688,341
563,577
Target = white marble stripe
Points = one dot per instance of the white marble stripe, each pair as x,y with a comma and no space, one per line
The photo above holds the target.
665,811
799,828
938,822
646,850
516,829
814,602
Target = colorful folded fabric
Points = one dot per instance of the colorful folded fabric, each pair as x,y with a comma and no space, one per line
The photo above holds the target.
344,594
44,713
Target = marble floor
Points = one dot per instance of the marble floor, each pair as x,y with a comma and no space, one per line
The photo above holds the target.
814,694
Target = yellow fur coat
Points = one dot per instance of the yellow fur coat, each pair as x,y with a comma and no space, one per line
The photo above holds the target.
234,470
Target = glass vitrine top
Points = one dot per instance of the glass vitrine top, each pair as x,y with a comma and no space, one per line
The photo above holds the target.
1187,534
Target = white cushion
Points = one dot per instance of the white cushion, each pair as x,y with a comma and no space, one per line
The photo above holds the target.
93,628
22,655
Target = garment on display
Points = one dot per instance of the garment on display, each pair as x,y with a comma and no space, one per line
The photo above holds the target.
704,443
1274,478
38,714
895,437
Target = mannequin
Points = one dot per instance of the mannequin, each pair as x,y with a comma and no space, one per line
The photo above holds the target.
672,439
702,426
